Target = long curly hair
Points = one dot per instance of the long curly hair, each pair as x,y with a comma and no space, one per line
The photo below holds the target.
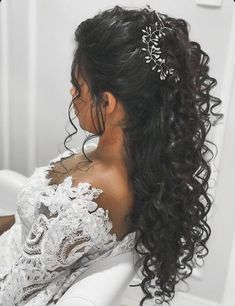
164,130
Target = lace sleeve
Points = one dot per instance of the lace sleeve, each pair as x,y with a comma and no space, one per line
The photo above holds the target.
68,228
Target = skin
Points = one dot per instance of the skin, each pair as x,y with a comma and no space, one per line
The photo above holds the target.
6,222
107,158
109,148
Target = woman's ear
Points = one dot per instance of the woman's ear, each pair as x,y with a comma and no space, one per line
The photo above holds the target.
106,102
109,102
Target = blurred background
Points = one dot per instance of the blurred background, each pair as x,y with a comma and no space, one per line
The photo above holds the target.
36,51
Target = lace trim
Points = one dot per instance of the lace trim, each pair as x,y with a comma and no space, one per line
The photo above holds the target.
40,175
128,242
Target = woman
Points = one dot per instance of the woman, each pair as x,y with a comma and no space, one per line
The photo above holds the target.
143,87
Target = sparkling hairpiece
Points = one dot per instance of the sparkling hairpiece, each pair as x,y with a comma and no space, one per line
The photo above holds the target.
154,53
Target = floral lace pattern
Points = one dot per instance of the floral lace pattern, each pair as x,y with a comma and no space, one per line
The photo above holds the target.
63,232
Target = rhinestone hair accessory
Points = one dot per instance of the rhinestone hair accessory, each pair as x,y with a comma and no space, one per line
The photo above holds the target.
151,38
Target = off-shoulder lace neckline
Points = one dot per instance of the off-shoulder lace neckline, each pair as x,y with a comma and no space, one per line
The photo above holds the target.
67,153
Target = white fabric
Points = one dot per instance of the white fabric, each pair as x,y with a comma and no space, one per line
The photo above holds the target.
59,231
114,273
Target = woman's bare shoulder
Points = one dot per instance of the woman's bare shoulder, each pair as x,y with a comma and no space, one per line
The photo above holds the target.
117,195
110,177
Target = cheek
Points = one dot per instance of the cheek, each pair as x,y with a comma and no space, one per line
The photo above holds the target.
84,112
79,105
85,120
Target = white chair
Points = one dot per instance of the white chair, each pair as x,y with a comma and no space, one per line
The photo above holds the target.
10,184
103,284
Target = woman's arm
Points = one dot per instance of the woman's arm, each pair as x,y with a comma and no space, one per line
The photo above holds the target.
6,222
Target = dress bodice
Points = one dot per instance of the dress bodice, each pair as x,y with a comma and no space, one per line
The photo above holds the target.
63,232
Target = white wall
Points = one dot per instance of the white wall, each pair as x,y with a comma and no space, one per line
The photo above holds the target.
36,47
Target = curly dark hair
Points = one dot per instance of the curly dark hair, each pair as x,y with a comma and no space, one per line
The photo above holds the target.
164,136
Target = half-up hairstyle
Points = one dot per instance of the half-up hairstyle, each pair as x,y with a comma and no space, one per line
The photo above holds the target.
165,129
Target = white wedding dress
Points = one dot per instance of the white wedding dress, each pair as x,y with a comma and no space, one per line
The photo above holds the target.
58,232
